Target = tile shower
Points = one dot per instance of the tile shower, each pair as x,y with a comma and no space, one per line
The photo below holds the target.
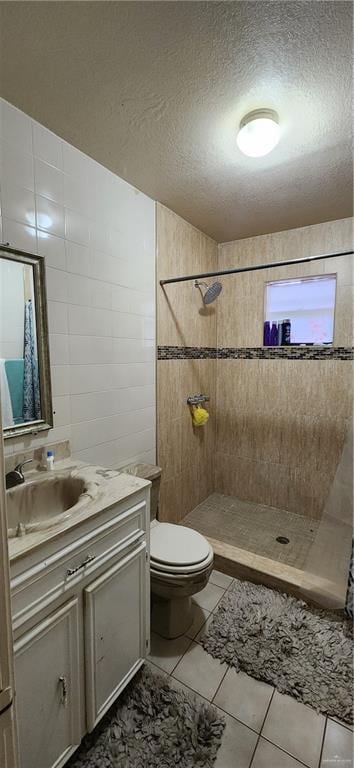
267,461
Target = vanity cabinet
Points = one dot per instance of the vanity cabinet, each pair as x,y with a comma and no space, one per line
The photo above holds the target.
8,757
114,631
81,623
7,739
47,663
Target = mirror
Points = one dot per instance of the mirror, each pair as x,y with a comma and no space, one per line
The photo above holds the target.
25,387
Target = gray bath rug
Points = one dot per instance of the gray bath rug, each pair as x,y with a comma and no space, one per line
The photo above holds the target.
303,651
153,726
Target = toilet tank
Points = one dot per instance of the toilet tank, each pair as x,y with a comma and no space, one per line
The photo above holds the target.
148,472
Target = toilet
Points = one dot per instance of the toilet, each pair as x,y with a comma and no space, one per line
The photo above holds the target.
181,561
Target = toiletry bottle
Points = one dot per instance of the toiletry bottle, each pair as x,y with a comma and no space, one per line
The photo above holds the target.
280,333
266,334
286,332
50,461
274,335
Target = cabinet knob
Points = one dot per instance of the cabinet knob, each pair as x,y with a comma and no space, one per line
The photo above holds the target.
64,690
88,559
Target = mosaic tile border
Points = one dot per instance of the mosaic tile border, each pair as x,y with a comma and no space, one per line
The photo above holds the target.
286,353
186,353
255,353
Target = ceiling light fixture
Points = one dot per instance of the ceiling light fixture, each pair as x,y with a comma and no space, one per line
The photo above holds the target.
259,132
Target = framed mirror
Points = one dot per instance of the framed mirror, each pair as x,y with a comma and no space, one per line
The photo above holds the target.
25,385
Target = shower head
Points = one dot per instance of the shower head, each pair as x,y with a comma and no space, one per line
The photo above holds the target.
211,293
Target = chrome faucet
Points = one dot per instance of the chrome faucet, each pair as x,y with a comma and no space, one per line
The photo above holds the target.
16,476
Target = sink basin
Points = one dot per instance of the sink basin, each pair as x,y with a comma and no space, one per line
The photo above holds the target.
36,505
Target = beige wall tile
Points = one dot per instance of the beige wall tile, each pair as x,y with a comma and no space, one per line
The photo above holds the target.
185,453
276,427
170,500
170,404
251,480
328,237
278,419
170,448
197,485
308,490
182,249
343,267
241,310
285,419
301,490
343,319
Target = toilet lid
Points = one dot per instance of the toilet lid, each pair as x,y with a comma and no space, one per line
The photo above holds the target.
177,545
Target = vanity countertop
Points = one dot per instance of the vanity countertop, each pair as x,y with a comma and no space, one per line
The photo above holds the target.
110,487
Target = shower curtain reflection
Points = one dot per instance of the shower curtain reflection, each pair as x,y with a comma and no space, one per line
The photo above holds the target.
31,391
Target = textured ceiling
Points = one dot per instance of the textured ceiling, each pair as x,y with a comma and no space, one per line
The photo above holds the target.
154,91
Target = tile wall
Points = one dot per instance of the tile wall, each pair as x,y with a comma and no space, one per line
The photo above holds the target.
281,423
185,453
97,234
278,423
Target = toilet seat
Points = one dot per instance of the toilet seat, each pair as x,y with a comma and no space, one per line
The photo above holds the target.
175,549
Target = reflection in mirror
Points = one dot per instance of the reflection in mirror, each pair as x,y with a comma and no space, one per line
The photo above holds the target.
23,356
20,392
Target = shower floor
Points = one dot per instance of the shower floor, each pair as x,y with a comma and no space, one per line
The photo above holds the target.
255,528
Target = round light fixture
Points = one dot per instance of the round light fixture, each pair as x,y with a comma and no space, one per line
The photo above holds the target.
259,132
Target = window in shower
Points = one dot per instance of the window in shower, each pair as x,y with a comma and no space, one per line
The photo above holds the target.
300,311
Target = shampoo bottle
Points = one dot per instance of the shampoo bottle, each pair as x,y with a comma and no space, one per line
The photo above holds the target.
266,334
274,335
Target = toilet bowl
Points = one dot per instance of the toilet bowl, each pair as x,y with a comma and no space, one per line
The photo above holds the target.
181,561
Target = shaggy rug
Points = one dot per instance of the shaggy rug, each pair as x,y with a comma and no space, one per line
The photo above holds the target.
153,726
303,651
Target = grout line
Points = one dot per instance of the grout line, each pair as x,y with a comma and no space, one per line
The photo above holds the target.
159,669
323,741
112,415
91,337
262,726
297,759
183,654
111,443
234,718
68,303
189,688
96,444
145,294
220,599
267,710
101,365
212,702
340,722
219,686
201,626
255,750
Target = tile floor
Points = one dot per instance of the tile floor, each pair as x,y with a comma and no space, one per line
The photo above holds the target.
264,729
255,527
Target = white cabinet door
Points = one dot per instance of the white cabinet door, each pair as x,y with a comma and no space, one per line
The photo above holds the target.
7,739
47,686
114,631
7,724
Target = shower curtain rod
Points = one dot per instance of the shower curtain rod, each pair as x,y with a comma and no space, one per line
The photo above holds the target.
236,270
